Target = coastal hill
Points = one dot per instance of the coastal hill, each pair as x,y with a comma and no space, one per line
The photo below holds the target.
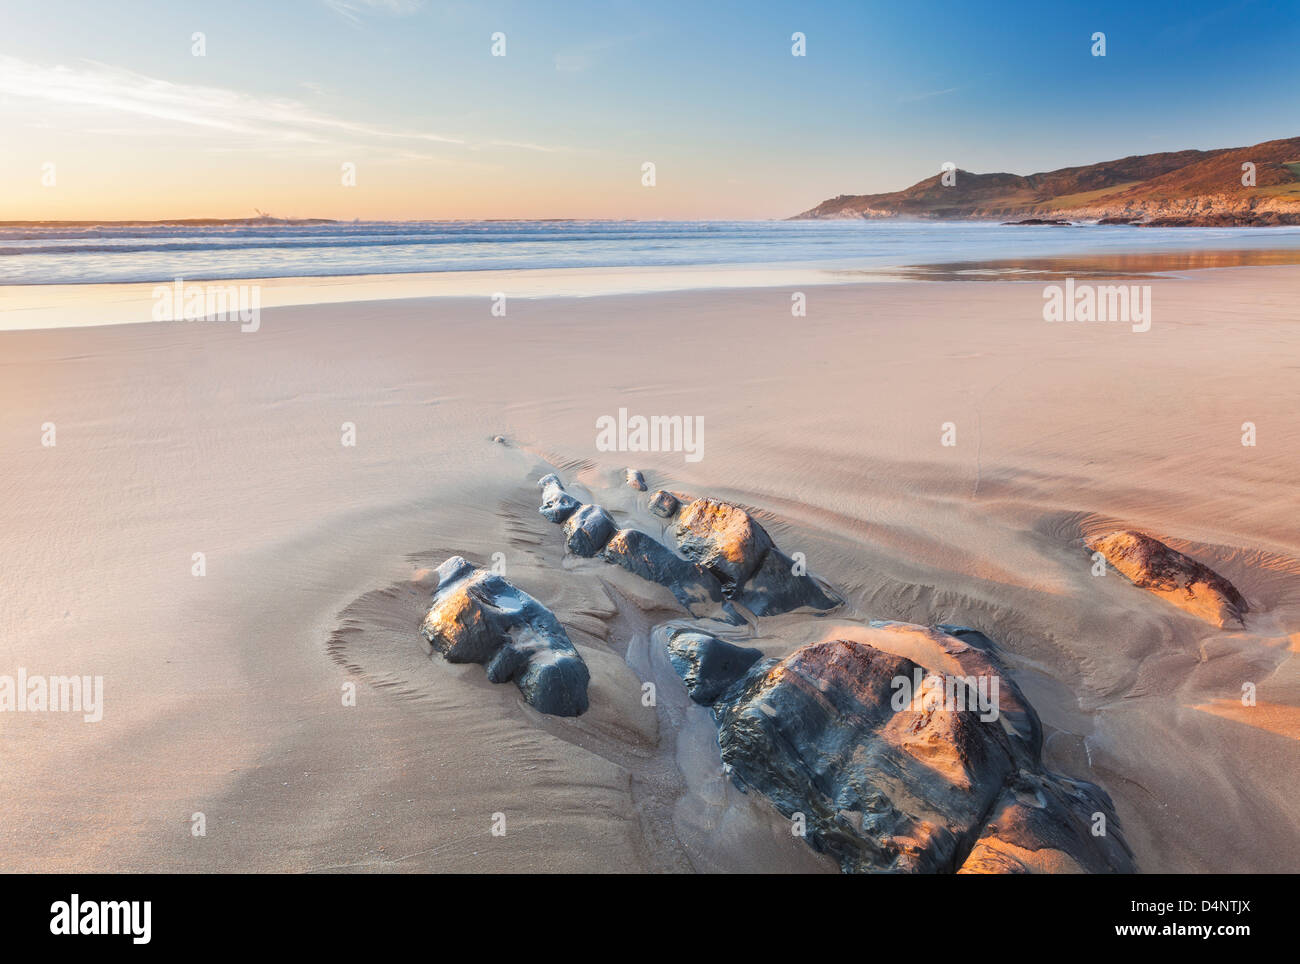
1170,189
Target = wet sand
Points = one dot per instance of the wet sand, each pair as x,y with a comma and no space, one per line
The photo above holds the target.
224,693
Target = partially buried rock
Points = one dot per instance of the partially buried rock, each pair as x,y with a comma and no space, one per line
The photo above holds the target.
880,790
723,538
664,504
729,542
1048,824
636,480
478,617
893,780
1179,579
644,556
557,505
708,665
587,530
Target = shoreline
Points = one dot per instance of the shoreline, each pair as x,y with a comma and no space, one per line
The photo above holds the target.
43,307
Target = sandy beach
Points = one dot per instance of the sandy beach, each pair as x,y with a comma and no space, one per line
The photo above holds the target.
224,694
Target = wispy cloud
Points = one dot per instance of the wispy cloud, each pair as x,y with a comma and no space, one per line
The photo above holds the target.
912,98
272,120
585,56
353,10
92,93
524,146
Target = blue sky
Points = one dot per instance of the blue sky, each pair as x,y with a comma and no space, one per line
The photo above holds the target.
408,92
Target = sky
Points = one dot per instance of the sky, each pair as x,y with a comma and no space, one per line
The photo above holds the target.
107,110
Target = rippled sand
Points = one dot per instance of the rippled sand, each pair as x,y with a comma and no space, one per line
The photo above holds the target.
224,694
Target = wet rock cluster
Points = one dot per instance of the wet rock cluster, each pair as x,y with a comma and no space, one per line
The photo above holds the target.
721,556
888,764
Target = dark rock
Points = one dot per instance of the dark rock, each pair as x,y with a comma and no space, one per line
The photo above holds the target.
888,783
728,542
559,508
1180,579
636,480
644,556
478,617
723,538
1056,221
880,790
707,665
664,504
974,654
718,544
1049,824
587,530
775,588
557,505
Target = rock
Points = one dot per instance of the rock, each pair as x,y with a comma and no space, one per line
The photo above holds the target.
707,665
559,508
723,538
499,439
1044,824
664,504
478,617
775,588
718,546
644,556
887,783
636,480
880,790
1179,579
973,652
557,505
728,542
587,530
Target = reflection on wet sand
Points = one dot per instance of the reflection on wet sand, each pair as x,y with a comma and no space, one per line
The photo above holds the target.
1145,264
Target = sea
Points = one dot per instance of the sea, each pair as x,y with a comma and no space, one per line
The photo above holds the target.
58,254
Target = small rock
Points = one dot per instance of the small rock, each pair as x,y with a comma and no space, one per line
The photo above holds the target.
1042,824
636,480
644,556
722,538
664,504
728,542
587,530
557,505
1180,579
774,588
